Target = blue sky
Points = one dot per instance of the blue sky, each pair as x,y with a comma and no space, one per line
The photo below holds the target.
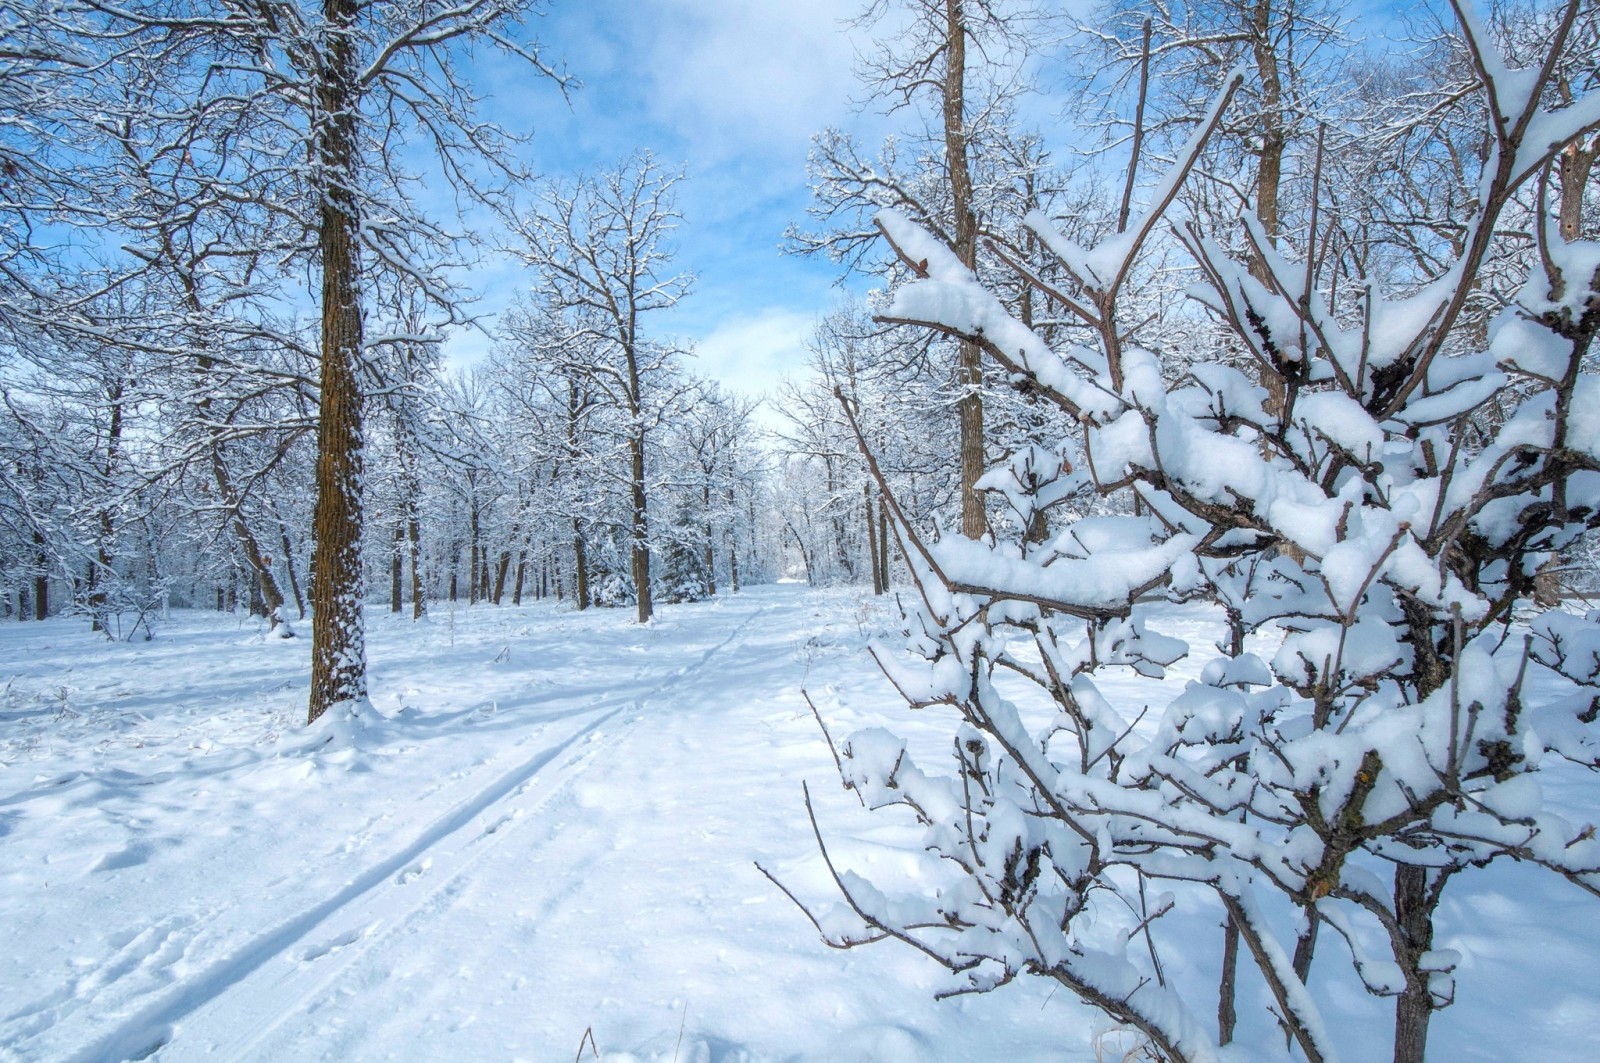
732,90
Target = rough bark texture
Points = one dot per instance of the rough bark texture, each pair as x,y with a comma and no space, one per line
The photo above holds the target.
969,366
1414,904
1269,164
580,568
338,637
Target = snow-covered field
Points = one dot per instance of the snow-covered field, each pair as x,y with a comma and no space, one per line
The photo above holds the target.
550,833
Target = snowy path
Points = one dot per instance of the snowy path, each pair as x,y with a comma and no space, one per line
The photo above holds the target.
552,829
230,1010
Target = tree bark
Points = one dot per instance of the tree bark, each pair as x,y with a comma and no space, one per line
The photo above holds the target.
969,365
1227,1016
100,571
338,640
502,570
472,554
41,581
883,540
1414,903
419,606
640,529
872,542
733,549
580,568
397,569
288,565
711,547
1269,167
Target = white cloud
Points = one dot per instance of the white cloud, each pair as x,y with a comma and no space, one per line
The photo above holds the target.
750,353
738,75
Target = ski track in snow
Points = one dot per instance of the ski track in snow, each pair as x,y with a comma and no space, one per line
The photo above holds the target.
224,1010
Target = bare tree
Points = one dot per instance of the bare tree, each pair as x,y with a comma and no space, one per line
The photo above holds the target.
961,59
601,249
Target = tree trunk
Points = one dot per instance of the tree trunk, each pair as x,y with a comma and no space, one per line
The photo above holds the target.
1414,903
522,574
472,555
580,568
883,540
872,542
41,581
100,572
969,366
711,550
419,605
338,641
733,549
1227,1016
288,564
397,570
1269,168
640,530
501,572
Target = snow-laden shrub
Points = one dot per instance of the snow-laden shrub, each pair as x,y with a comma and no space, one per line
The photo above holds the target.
1375,497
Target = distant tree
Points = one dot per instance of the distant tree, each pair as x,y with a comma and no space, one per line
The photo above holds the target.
600,246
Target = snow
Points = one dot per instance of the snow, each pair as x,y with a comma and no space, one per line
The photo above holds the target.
550,825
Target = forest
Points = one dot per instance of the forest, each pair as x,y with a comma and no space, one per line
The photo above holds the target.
1194,483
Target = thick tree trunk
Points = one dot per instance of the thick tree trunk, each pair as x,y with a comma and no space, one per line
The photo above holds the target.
969,366
338,641
502,570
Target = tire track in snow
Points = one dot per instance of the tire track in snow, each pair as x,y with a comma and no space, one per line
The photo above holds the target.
351,927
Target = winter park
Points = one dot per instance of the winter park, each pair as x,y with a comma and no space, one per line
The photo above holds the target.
713,531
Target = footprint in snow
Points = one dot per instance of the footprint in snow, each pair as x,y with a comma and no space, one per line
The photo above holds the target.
312,953
414,871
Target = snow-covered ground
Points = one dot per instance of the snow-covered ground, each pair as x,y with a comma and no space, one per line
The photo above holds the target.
550,834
